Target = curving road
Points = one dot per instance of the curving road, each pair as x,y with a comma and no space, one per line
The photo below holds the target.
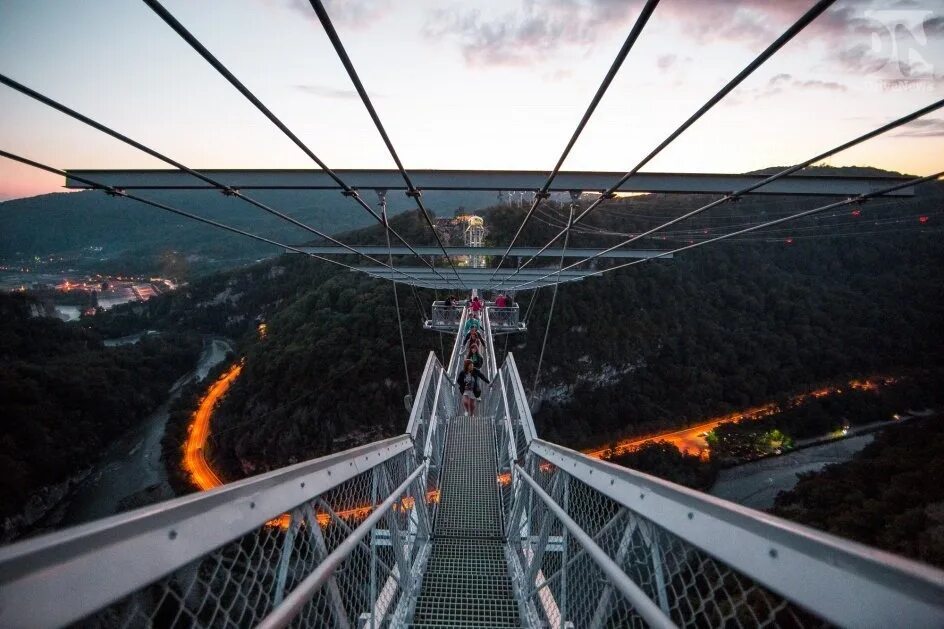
691,440
194,462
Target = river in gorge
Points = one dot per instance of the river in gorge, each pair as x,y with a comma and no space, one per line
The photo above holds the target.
132,465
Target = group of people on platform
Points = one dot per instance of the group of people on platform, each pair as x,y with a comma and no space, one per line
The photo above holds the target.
473,345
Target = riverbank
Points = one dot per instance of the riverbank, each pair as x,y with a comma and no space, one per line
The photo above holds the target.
756,484
130,471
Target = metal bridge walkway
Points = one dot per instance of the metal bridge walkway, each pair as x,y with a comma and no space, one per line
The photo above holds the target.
466,582
459,522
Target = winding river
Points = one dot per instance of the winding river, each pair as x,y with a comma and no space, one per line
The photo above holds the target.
132,464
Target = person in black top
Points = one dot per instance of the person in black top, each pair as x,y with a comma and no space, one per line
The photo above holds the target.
468,381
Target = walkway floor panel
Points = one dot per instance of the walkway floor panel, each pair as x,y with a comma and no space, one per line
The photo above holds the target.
466,581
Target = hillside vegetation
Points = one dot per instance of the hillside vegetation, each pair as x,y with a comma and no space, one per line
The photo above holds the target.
136,238
889,496
661,344
64,396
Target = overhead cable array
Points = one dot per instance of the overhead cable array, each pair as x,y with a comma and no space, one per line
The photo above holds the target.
641,20
758,61
412,191
793,217
539,196
738,193
346,190
117,192
225,189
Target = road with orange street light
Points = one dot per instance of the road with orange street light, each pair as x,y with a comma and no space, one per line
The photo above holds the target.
691,440
195,462
205,478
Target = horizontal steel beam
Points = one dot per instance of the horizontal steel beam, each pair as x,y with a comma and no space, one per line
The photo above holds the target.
471,277
497,180
378,250
57,579
422,272
846,583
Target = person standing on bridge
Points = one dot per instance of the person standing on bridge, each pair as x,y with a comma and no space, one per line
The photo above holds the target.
468,381
474,337
475,356
475,305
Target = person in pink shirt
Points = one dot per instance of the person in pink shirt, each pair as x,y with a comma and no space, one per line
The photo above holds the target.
501,301
476,305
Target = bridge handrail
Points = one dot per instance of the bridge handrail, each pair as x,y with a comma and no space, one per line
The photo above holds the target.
524,410
422,405
455,358
507,319
670,536
62,577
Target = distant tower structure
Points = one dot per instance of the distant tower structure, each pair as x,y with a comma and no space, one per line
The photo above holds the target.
474,236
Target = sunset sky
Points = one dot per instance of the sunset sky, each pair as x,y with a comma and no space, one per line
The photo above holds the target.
493,84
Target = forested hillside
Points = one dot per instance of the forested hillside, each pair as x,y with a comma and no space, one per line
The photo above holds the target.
64,395
663,343
135,238
889,496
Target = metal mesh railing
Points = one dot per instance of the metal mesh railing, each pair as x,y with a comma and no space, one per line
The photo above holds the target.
505,319
600,546
242,582
687,586
211,566
445,316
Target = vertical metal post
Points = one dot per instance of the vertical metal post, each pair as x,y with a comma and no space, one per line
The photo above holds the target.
406,578
334,592
537,555
565,500
601,612
655,554
288,544
373,553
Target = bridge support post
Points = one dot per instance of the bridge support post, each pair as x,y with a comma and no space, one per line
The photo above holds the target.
288,544
334,592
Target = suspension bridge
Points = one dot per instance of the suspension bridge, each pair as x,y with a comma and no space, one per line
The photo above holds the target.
465,520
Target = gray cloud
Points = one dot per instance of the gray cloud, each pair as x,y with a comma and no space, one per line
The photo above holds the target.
326,91
783,81
665,62
347,13
923,128
530,34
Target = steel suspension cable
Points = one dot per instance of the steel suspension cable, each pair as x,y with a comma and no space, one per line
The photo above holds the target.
412,191
610,192
747,189
117,192
825,208
225,189
641,20
346,189
382,195
550,313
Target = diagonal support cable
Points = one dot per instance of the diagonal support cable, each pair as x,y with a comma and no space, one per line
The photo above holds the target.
225,189
733,196
382,196
117,192
542,194
786,219
574,196
815,11
412,191
346,189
